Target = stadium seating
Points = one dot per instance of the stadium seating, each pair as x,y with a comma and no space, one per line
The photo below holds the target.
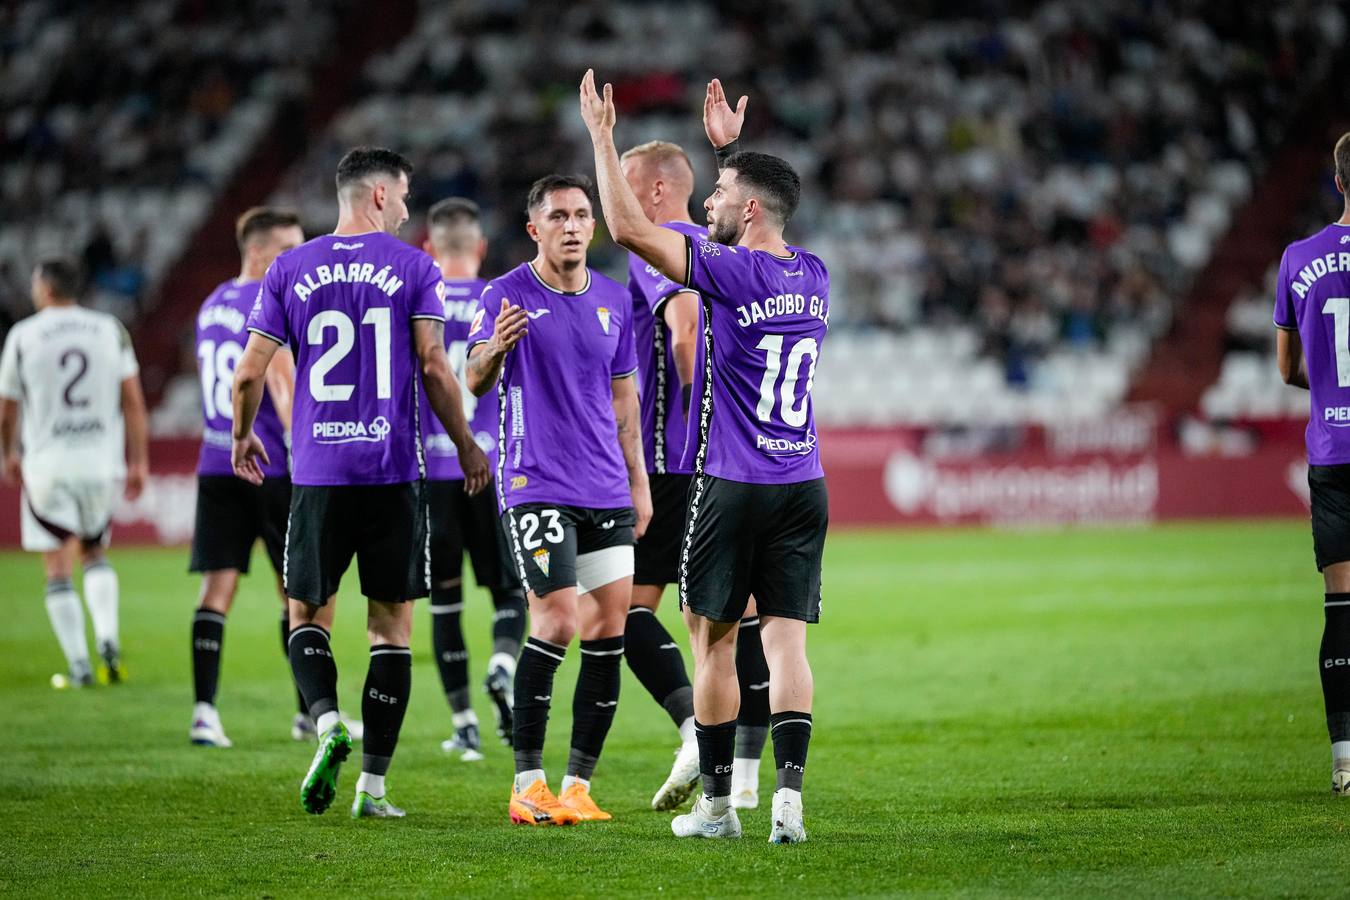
119,130
994,256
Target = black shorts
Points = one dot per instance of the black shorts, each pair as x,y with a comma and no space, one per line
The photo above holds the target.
761,539
1329,491
460,522
231,515
383,525
656,558
547,538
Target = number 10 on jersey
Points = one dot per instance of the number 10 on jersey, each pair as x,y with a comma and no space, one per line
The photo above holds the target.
791,413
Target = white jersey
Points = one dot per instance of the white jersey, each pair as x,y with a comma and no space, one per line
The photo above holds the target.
65,365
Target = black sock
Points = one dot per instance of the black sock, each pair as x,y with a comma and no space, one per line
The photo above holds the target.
508,622
656,660
1335,666
539,662
285,637
752,724
208,633
314,669
716,746
383,704
791,735
594,703
447,642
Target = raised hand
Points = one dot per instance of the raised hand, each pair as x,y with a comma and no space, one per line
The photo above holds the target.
721,123
596,111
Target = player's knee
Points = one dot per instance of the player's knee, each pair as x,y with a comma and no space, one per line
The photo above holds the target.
218,589
646,596
554,626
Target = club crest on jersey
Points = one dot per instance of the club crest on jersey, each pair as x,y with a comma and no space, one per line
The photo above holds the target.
541,560
603,315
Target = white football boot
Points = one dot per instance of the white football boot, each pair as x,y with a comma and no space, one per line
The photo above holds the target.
206,730
700,822
684,777
787,818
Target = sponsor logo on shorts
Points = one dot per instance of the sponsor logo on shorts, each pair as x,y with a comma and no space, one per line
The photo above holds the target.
541,560
351,432
607,525
603,315
784,447
519,482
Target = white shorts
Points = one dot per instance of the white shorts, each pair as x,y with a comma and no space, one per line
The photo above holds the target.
601,567
57,509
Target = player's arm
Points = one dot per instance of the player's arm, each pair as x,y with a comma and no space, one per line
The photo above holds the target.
12,471
137,435
11,389
628,418
250,378
280,381
447,401
1289,357
484,365
663,248
680,312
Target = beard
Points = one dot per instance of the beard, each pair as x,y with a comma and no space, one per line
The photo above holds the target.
723,233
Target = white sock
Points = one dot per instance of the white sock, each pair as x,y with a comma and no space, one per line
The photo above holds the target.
100,593
744,775
326,721
527,778
370,784
569,780
67,615
687,733
203,711
505,660
719,804
1340,752
788,795
467,717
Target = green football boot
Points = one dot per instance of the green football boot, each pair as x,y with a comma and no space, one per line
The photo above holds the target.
320,785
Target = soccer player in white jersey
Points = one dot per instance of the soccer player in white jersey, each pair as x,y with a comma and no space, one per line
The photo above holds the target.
70,375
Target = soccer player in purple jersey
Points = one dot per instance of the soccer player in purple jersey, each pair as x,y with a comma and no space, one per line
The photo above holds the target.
1312,313
231,513
757,512
363,314
460,522
571,484
667,335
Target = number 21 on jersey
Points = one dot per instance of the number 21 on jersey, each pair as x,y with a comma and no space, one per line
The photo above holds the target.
345,339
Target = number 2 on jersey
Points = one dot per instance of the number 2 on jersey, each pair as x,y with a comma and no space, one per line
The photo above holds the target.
378,318
792,414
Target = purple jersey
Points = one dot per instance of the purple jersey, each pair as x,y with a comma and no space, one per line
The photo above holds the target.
765,318
461,299
1311,298
345,304
663,423
221,336
559,443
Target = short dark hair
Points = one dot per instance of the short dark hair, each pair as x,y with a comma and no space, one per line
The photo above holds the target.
541,188
453,211
62,274
1342,156
361,162
769,180
260,220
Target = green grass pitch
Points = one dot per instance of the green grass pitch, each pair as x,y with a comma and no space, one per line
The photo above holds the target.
1130,711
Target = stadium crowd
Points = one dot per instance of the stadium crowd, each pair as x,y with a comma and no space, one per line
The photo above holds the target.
118,130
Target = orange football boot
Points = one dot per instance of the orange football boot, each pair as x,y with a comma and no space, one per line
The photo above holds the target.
537,806
578,798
